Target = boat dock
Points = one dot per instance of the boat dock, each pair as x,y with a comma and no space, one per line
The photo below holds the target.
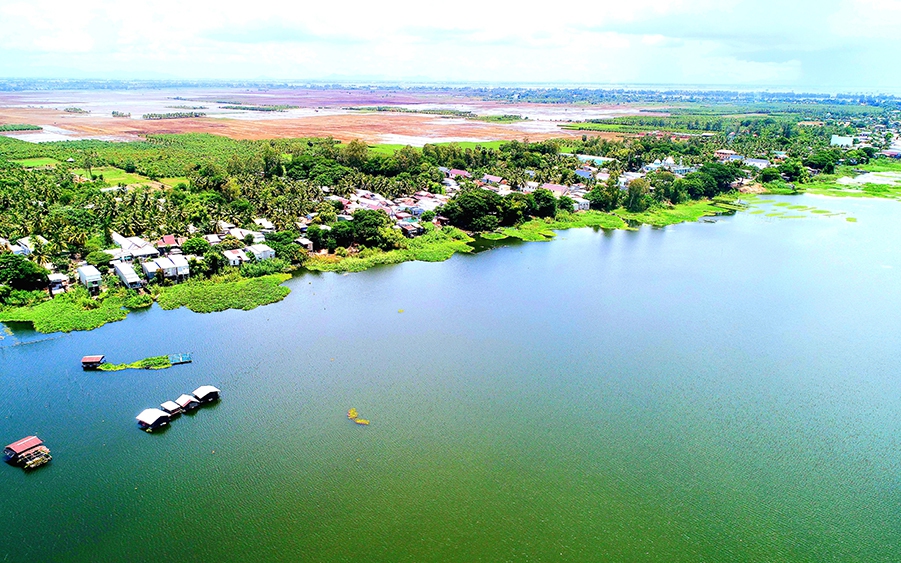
176,359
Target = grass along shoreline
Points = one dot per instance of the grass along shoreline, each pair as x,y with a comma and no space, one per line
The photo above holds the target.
154,362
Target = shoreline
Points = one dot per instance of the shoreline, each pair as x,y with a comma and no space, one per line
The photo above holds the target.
230,291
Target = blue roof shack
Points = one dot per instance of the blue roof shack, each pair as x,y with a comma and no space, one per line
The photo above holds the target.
584,174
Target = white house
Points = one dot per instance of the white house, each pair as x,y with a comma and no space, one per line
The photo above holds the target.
265,225
27,244
240,234
57,283
305,242
235,257
840,141
182,269
127,275
260,251
90,277
581,204
151,267
134,247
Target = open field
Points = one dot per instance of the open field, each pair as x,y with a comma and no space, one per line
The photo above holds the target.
314,113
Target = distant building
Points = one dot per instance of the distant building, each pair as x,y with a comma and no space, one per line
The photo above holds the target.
260,252
235,257
843,142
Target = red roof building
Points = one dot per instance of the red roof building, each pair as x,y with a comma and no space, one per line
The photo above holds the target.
23,445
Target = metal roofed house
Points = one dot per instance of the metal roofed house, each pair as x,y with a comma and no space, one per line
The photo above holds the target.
182,268
164,265
135,246
556,189
90,277
841,141
241,234
455,173
260,252
28,243
152,419
12,452
265,225
235,257
171,408
489,179
127,275
586,174
305,242
57,283
206,393
759,163
581,204
187,402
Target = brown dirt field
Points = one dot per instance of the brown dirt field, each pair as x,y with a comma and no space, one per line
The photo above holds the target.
369,127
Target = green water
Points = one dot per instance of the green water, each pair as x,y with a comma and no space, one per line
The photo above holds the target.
704,392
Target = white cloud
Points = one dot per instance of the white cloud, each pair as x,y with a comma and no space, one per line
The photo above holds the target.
760,42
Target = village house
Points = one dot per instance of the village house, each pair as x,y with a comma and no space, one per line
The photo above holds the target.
235,257
759,163
305,242
131,248
581,204
57,283
127,275
260,252
841,141
161,265
90,277
556,189
265,225
724,154
241,234
27,244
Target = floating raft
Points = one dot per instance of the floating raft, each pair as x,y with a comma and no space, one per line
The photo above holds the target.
354,416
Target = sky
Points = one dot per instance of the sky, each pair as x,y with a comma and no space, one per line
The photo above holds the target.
819,45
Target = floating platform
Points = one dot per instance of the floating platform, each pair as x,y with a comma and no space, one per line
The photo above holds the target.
176,359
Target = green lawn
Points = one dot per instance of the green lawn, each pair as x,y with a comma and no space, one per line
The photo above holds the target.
389,148
172,182
114,176
35,162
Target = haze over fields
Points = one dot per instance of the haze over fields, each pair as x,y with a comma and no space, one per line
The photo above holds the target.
845,45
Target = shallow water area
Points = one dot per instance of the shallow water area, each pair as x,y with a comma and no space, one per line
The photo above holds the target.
700,392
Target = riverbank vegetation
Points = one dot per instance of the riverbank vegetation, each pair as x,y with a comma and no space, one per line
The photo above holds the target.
154,362
228,291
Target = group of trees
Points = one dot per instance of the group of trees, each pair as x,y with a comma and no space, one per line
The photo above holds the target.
484,210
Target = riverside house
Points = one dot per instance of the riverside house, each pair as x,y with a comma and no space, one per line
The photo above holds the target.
260,252
90,277
127,275
235,257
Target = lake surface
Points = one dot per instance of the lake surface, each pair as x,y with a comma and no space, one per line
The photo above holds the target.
704,392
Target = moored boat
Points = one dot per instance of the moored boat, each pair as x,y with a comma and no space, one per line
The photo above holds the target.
18,452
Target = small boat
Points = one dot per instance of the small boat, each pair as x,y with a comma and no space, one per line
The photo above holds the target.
362,421
152,419
92,362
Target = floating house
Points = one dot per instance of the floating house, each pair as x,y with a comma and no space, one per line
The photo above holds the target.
28,452
152,419
206,393
187,402
171,408
92,362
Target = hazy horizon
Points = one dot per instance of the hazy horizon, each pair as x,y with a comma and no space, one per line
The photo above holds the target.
829,46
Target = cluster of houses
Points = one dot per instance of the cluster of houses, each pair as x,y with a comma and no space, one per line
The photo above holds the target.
162,258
